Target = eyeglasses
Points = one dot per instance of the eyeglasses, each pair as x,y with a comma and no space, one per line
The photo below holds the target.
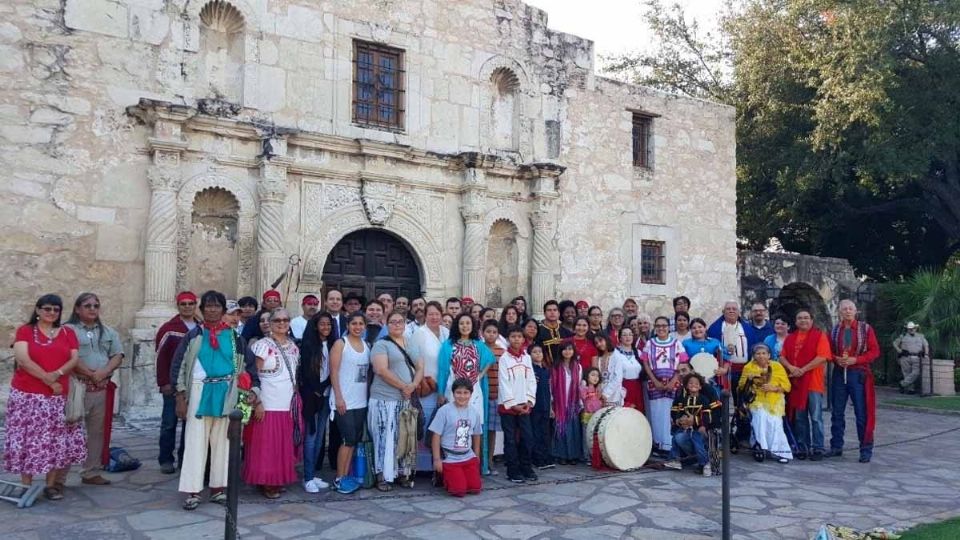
185,304
50,309
661,326
91,306
396,321
617,315
280,321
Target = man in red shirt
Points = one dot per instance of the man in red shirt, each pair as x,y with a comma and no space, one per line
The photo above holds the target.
803,356
855,348
167,340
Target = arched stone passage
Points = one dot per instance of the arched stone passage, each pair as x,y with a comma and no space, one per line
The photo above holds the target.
797,296
370,262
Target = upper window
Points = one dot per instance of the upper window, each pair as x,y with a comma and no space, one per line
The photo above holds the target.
377,86
652,262
642,147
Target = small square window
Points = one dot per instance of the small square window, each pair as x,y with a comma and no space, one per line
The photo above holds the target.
652,262
378,86
642,140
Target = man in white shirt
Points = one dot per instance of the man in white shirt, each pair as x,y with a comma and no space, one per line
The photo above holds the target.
309,305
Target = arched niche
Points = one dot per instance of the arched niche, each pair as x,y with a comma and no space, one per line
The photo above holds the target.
502,276
222,50
797,296
222,197
212,247
504,89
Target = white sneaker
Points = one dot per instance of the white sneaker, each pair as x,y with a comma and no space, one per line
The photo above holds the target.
673,464
707,470
320,483
310,486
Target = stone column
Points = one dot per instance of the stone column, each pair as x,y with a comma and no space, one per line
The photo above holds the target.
473,198
544,265
160,255
272,192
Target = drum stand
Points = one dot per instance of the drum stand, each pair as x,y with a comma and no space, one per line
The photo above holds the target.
21,495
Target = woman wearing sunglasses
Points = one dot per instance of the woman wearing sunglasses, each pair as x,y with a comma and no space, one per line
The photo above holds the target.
38,438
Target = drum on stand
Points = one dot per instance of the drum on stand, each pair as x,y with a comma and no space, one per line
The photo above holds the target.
624,437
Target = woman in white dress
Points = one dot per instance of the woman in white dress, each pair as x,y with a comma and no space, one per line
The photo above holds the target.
424,348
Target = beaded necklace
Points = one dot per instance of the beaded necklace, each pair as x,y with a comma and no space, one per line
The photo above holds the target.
36,337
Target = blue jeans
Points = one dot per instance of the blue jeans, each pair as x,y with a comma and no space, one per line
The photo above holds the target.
313,442
168,431
517,454
855,390
688,442
808,424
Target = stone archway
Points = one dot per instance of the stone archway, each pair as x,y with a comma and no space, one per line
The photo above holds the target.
797,296
370,262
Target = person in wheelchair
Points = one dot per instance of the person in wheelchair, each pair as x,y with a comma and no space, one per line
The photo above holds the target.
762,389
695,414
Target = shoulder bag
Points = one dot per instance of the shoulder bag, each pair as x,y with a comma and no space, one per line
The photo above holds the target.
414,396
294,399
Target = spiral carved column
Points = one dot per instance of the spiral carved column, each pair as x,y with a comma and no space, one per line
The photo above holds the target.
544,264
473,234
272,191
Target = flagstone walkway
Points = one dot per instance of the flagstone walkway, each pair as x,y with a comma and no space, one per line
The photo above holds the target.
913,478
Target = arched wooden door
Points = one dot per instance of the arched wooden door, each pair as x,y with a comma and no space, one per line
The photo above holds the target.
370,262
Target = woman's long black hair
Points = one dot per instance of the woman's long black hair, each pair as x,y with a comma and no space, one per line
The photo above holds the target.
311,347
47,300
455,328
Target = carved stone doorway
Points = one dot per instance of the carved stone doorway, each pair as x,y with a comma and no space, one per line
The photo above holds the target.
370,262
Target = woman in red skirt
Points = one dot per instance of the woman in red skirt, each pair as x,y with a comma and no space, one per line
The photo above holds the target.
272,452
632,371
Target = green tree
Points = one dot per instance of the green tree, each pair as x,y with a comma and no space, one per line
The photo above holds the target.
848,120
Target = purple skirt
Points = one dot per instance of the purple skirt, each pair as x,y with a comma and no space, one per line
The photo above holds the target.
38,440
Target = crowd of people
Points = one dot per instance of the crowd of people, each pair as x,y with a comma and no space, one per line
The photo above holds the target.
432,387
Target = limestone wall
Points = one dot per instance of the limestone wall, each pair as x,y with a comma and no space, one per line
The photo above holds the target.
75,159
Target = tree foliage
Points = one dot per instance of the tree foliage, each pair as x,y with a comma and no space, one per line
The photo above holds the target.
848,120
932,300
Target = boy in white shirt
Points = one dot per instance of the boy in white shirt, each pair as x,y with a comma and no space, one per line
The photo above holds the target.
516,398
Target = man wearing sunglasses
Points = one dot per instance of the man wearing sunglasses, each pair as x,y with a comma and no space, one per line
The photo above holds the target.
167,340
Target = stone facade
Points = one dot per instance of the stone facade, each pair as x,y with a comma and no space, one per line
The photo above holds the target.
148,143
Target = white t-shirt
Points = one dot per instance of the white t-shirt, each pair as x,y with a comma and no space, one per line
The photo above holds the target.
276,387
354,370
426,346
298,325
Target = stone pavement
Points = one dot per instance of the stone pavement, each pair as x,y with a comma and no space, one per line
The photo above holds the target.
913,478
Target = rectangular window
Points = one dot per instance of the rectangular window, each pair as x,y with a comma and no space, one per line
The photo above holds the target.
377,86
642,147
652,262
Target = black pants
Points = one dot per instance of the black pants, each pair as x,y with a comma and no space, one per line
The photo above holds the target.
540,426
516,453
334,440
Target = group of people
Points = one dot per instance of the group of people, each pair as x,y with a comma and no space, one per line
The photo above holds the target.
433,387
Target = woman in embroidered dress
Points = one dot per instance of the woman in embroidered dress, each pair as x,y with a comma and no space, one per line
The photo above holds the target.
396,377
770,383
465,356
629,359
38,438
585,346
565,388
661,356
313,380
272,454
611,372
426,347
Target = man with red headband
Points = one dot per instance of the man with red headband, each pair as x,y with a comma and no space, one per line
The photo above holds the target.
583,308
271,300
167,340
310,305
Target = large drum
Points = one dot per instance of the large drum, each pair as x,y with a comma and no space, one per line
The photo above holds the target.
705,364
624,437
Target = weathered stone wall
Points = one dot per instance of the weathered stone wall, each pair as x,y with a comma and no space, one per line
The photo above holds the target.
482,78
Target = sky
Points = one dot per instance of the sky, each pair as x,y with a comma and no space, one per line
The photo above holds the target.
615,26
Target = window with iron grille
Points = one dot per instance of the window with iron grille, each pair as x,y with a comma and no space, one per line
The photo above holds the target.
642,147
652,262
377,86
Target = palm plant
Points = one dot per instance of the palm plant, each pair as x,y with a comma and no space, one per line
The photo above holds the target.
931,298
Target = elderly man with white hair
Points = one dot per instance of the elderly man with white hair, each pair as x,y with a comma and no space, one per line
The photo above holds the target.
738,340
911,346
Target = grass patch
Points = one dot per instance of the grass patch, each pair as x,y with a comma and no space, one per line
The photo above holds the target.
951,403
944,530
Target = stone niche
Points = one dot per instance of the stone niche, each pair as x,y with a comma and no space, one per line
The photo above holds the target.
503,264
222,51
212,258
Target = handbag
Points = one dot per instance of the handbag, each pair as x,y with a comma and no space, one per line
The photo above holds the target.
73,409
414,397
294,400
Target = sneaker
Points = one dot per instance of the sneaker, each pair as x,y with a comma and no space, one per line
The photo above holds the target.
516,479
311,486
530,476
673,464
834,452
336,484
348,485
320,483
707,471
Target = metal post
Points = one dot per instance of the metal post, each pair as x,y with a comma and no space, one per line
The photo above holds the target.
233,475
725,463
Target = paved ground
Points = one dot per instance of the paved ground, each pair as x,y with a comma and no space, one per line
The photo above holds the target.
913,478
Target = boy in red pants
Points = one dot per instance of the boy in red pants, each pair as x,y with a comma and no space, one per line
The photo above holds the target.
457,430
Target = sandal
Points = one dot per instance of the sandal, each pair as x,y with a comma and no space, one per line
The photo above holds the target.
271,493
192,502
53,493
219,497
384,486
405,482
